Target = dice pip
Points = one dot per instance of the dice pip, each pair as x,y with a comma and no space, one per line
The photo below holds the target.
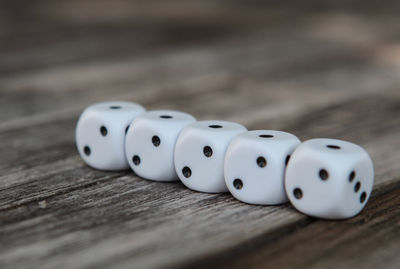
100,134
255,166
329,178
200,153
150,143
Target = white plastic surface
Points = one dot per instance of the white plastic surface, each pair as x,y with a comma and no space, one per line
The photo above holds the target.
255,166
156,159
335,195
206,173
107,152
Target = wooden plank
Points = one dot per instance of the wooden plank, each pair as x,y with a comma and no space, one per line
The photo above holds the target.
100,218
366,241
179,76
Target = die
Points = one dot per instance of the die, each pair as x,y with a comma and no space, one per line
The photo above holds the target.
100,134
200,153
150,143
329,178
255,166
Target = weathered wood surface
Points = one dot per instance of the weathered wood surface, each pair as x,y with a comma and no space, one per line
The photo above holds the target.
314,69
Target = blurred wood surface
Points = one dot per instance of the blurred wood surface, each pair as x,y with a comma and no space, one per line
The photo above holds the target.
313,68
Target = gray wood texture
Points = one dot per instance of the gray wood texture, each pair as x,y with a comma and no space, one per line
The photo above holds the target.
315,69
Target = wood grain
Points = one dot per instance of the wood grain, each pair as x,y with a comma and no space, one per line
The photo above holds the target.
314,69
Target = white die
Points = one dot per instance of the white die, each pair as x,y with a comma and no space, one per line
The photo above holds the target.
255,166
150,143
100,133
329,178
200,153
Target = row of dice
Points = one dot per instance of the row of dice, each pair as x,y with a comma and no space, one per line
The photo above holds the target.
324,178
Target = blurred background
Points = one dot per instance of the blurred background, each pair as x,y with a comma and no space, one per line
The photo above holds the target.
213,58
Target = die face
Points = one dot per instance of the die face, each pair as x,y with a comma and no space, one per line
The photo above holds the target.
150,143
255,166
356,193
200,153
100,134
322,175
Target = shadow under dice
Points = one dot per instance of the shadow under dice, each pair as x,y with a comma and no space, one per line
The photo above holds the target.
100,133
200,153
150,143
255,165
329,178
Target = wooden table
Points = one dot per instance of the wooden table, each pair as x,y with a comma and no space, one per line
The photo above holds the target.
313,69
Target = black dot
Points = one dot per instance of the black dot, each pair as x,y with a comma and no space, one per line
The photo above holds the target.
333,146
357,186
136,160
208,152
261,162
115,107
103,131
266,136
126,129
186,172
87,150
287,159
323,174
363,196
156,141
238,184
352,176
215,126
298,193
166,117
